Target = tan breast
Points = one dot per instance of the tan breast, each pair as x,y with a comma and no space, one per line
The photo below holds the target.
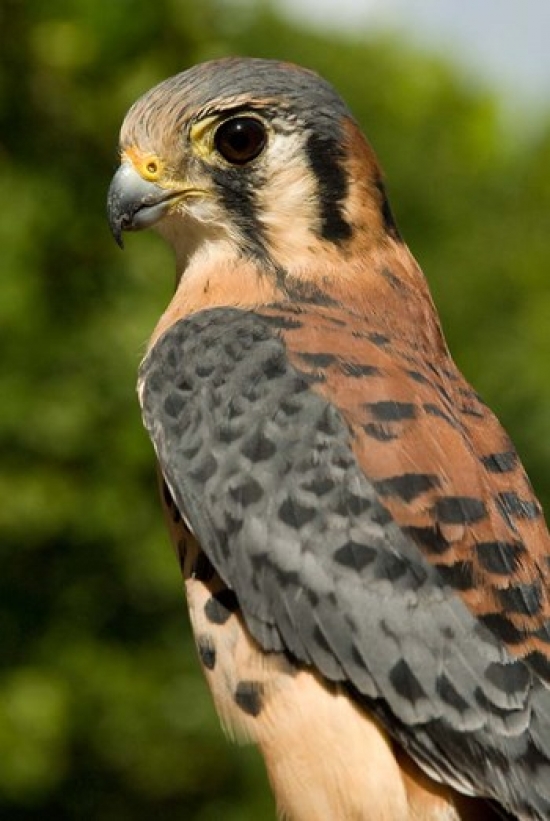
326,759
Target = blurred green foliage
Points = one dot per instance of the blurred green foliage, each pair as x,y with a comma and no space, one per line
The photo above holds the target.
103,711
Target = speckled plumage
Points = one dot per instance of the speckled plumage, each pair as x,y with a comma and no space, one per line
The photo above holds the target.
355,528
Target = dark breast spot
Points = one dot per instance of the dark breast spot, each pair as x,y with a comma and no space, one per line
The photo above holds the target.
249,697
220,606
207,651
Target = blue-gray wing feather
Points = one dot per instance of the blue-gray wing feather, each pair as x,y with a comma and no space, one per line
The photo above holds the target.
262,468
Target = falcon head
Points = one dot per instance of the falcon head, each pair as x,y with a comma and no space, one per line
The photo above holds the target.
261,156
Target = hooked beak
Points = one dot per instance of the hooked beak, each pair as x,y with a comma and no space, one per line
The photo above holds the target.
134,203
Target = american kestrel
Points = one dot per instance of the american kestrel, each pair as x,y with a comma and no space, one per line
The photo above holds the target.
366,565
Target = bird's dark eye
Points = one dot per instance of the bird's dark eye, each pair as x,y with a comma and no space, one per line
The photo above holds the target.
240,139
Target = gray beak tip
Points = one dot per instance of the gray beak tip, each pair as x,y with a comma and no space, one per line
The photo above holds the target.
134,203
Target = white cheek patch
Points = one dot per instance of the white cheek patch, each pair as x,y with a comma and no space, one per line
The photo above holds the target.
286,206
287,200
198,226
204,210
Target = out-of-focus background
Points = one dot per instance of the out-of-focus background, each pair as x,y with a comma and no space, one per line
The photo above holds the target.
103,712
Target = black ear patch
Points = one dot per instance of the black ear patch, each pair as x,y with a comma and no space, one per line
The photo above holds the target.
326,159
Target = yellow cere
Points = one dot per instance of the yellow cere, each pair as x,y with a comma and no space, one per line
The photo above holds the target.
149,166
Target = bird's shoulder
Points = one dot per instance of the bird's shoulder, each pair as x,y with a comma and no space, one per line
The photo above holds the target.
435,455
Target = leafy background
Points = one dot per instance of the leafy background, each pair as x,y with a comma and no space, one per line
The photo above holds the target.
103,711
